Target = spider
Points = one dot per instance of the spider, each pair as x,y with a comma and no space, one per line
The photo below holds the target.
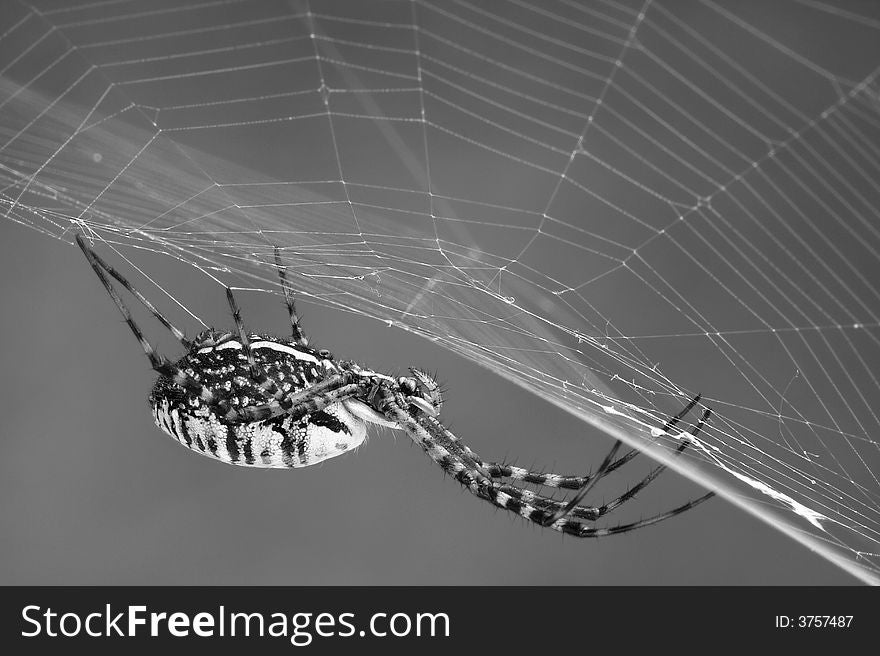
257,400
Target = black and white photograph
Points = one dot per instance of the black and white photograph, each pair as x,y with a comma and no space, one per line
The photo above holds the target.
439,293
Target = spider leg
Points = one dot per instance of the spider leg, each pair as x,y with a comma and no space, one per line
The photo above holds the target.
595,512
432,389
455,446
581,531
588,513
575,482
559,513
654,473
562,512
298,404
463,465
550,479
669,425
443,451
672,421
159,363
299,335
554,509
93,258
448,455
448,440
256,371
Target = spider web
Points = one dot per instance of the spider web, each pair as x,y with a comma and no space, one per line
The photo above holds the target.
613,204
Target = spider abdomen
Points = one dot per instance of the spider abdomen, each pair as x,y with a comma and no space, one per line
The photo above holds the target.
280,442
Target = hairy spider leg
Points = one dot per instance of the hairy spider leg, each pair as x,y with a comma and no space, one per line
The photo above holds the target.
478,484
424,430
255,371
319,396
299,335
433,445
178,334
452,442
559,513
549,479
332,389
266,384
575,482
159,363
593,513
669,425
553,506
576,500
654,473
445,448
430,384
586,482
672,421
562,507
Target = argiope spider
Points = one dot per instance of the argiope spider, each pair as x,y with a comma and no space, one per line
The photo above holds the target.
262,401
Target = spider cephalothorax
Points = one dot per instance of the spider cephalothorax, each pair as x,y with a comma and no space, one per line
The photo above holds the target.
258,400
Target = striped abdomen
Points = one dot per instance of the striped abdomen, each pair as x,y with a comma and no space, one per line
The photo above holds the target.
278,442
